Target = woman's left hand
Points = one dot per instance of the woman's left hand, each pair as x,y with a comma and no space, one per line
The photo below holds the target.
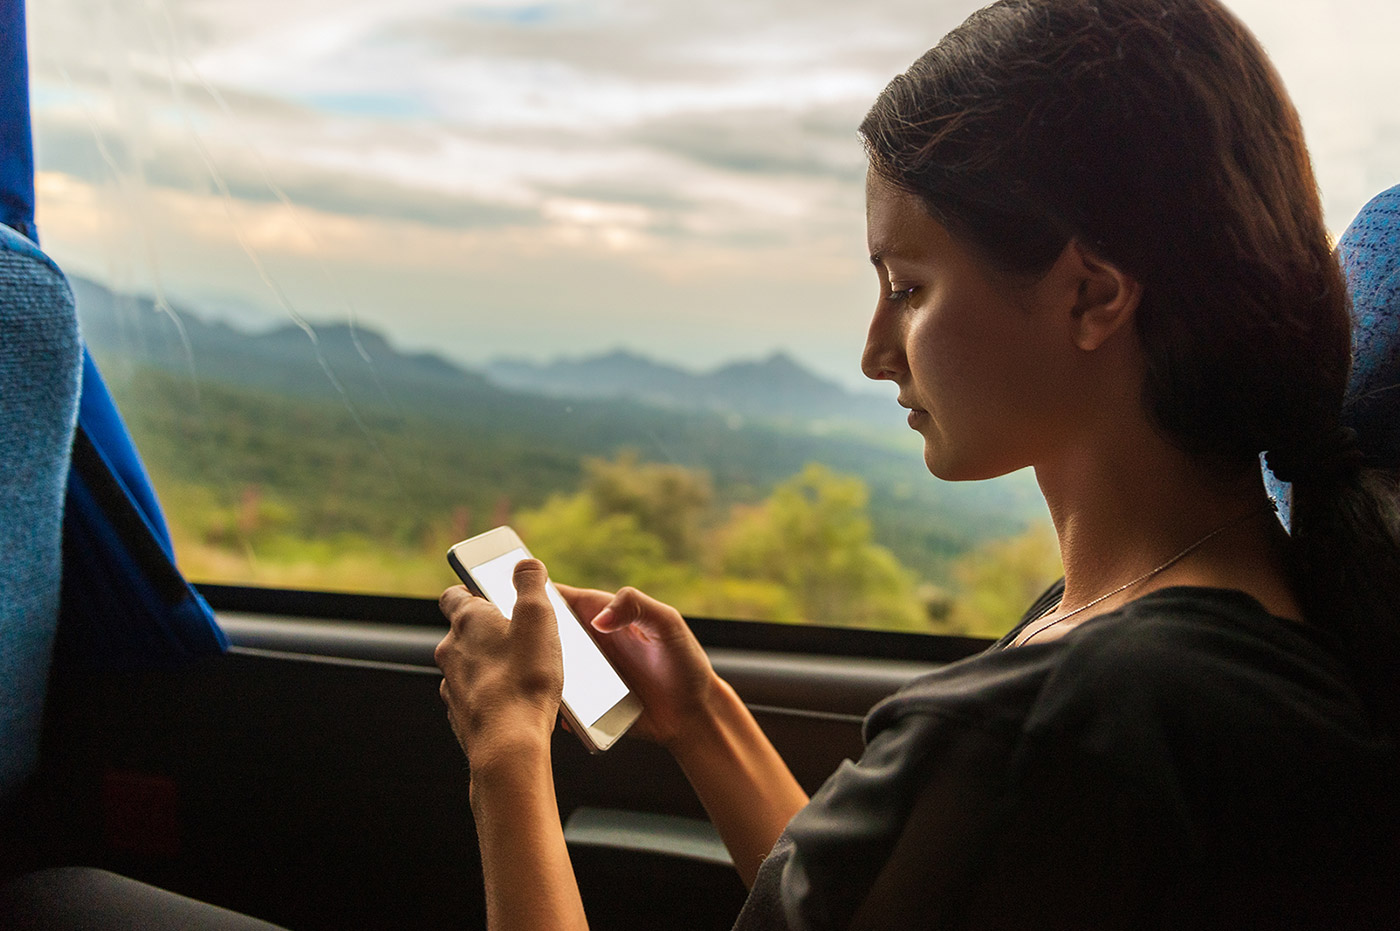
502,677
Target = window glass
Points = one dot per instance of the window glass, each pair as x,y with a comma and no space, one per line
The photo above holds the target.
369,278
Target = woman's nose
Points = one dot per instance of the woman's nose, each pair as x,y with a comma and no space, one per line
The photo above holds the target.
881,359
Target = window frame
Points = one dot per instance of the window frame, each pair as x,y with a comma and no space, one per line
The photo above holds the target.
717,633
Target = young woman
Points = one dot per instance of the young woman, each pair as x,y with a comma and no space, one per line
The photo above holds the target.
1101,254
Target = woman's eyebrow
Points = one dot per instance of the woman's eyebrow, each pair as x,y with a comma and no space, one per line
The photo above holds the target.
884,250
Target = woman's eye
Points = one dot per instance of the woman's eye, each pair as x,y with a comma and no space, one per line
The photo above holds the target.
900,294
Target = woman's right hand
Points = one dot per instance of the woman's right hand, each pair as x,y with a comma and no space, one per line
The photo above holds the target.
653,648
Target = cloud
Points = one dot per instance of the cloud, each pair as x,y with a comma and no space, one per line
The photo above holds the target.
600,157
72,150
818,144
743,181
483,114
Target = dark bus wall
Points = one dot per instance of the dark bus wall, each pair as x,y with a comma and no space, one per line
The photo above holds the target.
310,777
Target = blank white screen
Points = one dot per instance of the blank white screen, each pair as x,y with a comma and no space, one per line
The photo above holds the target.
591,687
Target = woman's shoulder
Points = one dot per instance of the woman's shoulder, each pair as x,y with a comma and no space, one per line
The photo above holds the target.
1186,672
993,691
1177,661
1200,640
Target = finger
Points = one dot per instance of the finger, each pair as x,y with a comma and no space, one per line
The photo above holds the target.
469,615
453,600
631,607
442,655
585,602
531,601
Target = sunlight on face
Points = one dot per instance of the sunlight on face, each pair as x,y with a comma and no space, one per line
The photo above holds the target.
985,366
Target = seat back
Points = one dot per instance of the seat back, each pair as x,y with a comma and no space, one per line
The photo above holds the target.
1370,255
1369,252
40,374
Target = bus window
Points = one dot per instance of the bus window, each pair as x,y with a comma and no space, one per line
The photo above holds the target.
367,279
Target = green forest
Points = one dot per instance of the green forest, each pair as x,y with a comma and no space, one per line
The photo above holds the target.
263,487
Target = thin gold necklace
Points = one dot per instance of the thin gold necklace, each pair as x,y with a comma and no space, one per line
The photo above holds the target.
1233,522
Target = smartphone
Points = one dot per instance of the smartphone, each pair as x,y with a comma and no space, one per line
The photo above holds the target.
597,704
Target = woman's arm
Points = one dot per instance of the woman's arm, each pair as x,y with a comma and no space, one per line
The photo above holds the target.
502,683
746,788
529,880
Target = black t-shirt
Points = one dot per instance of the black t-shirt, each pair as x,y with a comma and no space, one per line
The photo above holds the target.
1187,761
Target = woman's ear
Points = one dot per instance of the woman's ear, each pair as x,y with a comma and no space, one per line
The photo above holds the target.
1106,300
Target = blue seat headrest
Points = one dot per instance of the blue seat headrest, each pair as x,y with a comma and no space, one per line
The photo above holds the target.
1369,252
1370,255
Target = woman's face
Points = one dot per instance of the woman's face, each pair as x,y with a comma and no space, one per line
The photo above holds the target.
984,363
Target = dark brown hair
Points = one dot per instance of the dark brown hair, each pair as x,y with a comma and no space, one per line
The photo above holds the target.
1157,133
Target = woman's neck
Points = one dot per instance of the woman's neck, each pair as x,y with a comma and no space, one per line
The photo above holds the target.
1124,509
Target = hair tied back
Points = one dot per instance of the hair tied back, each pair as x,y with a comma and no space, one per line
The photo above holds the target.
1336,458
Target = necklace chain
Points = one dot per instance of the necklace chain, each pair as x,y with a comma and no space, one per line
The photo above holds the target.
1151,572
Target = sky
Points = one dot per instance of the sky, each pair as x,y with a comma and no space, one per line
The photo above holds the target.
534,179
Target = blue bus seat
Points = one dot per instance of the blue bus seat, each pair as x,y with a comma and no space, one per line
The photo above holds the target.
40,366
1370,255
42,363
124,604
1369,251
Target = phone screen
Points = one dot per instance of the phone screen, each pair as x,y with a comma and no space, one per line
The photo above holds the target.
591,687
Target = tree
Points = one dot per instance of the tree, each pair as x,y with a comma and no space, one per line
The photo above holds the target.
996,582
583,544
804,554
812,538
670,501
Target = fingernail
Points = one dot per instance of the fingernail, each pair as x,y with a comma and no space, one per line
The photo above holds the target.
603,618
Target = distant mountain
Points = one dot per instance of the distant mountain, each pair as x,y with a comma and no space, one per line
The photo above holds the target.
362,365
777,387
331,360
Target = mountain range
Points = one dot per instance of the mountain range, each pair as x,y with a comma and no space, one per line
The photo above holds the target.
354,361
775,387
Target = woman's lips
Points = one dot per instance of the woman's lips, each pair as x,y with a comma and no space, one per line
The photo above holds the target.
915,413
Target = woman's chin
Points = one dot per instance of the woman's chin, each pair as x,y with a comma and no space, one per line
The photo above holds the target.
952,465
940,463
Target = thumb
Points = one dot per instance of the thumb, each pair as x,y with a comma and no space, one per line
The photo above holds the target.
531,600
